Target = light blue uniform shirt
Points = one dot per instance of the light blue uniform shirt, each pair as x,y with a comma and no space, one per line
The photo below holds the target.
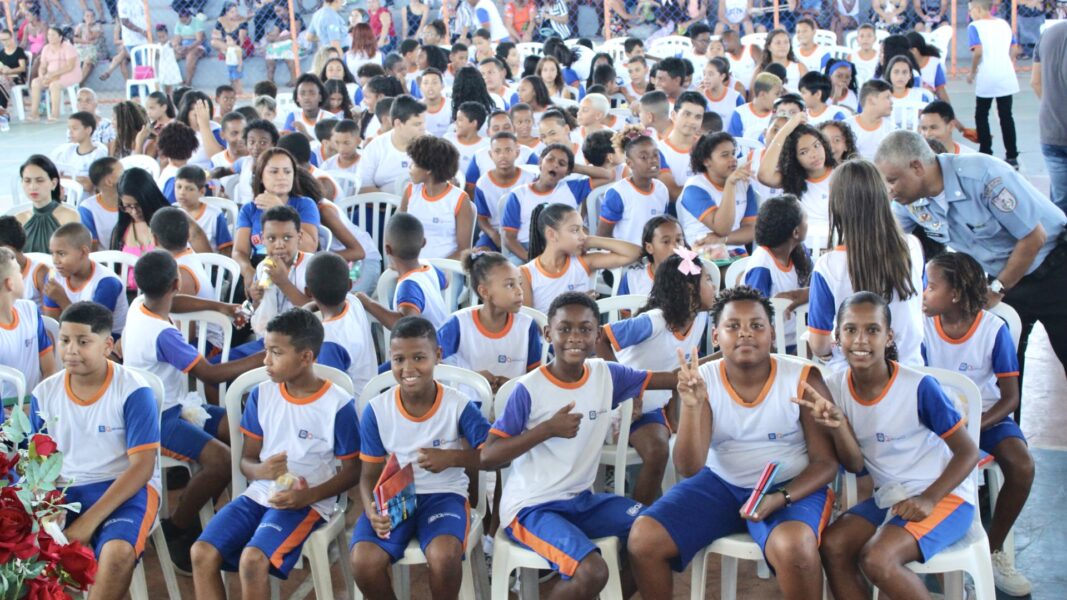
986,208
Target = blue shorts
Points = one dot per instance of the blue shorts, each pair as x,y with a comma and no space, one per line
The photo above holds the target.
234,71
435,515
720,502
131,522
945,526
279,534
996,434
238,352
562,531
651,417
184,441
484,241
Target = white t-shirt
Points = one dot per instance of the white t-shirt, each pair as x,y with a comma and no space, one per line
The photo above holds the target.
629,208
72,163
422,289
868,140
984,354
22,343
99,219
382,163
546,285
996,73
350,331
134,11
439,216
764,273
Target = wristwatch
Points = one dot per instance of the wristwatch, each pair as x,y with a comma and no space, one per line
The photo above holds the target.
997,287
785,494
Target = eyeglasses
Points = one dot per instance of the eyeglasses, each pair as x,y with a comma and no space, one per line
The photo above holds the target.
131,208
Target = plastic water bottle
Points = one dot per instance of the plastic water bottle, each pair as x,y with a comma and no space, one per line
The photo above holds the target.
354,270
5,124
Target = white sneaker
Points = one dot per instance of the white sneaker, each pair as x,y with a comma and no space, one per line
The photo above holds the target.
1007,578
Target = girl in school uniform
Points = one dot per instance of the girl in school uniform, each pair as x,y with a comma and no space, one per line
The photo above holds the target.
780,266
873,255
799,161
673,320
779,49
661,235
723,98
843,77
717,205
736,416
896,423
446,212
959,335
560,261
900,74
311,97
630,203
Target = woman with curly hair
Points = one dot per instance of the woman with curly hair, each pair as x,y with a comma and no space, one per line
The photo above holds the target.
799,162
672,320
631,202
176,144
445,210
469,86
130,120
717,205
841,139
779,49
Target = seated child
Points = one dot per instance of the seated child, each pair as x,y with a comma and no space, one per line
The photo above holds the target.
445,210
21,330
470,119
717,205
188,190
493,186
674,319
551,433
75,277
630,203
661,235
419,289
73,158
296,425
346,325
170,232
232,125
279,283
322,148
737,416
438,109
815,89
960,336
873,123
109,452
897,424
346,142
422,423
33,271
598,150
100,212
177,143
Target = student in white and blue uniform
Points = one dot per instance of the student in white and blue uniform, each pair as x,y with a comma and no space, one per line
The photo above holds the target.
421,290
24,344
490,191
705,191
101,285
553,186
631,202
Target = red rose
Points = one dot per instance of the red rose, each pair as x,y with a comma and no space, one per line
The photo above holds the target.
45,588
43,444
52,497
49,547
79,562
7,463
16,528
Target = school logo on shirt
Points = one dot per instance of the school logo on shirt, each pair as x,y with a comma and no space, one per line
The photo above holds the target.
886,438
304,434
505,359
779,436
964,367
109,428
594,413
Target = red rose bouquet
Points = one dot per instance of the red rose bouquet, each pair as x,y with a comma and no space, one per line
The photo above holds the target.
36,560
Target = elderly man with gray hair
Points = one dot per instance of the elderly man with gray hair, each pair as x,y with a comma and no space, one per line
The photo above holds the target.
105,131
981,206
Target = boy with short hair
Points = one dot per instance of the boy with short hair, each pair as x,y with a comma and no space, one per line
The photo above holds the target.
177,143
592,111
75,277
815,89
170,232
751,119
810,54
438,112
74,158
297,426
551,432
522,120
100,212
152,343
104,419
233,123
470,117
21,329
188,190
283,271
495,185
345,141
458,57
34,273
936,122
225,100
637,68
346,326
424,423
418,291
873,123
993,52
322,148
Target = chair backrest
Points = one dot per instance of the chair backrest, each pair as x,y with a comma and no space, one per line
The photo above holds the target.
141,161
615,48
906,115
325,237
13,378
500,399
745,145
51,327
530,49
965,394
73,192
592,206
146,55
371,212
735,273
229,185
838,52
800,313
455,277
349,182
196,327
542,321
40,257
223,272
754,39
825,37
450,375
116,260
672,45
234,409
1009,316
383,293
611,306
779,304
228,208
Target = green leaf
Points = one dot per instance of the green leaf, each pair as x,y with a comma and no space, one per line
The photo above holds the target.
27,498
23,422
51,468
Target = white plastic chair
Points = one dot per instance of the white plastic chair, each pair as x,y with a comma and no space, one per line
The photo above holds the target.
325,238
141,161
115,260
800,313
615,48
530,49
383,293
613,305
455,277
971,554
508,556
144,55
71,94
779,304
51,327
316,550
542,321
735,273
825,37
228,208
592,206
73,192
838,52
348,181
906,115
377,207
15,378
671,45
223,272
748,145
754,39
19,92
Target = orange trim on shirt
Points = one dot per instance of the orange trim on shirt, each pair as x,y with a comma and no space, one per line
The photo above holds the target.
652,187
142,448
339,315
254,436
14,321
306,399
439,108
942,510
489,334
567,565
92,271
958,424
429,413
297,537
707,94
371,459
611,337
970,332
193,364
821,179
541,268
428,198
865,128
100,203
564,384
149,520
499,433
786,268
763,392
504,184
177,456
892,377
421,269
97,394
999,375
667,142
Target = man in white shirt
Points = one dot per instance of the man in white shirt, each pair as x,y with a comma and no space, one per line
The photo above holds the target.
73,158
385,161
104,131
132,18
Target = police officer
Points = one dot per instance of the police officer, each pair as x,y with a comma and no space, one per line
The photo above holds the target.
981,206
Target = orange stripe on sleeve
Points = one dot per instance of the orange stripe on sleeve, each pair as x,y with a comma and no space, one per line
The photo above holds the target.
706,213
948,433
142,448
1009,374
193,364
818,331
611,337
250,434
499,433
416,308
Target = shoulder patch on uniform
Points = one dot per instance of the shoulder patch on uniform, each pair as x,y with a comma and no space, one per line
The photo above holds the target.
1004,201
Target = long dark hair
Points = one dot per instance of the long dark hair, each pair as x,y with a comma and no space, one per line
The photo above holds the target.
765,57
794,177
543,216
894,45
139,185
918,42
347,78
556,48
847,133
165,101
502,51
334,86
129,118
469,86
541,95
592,67
189,99
303,183
45,164
675,293
879,302
778,217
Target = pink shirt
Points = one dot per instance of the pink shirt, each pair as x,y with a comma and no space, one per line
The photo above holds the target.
56,59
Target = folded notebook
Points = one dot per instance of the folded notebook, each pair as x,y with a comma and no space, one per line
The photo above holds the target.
394,494
766,480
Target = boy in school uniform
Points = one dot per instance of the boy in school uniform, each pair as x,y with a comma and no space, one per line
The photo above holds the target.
170,232
551,432
425,423
419,289
810,54
34,272
295,426
155,345
815,89
189,184
24,344
74,158
751,119
993,52
344,321
936,122
77,277
100,212
873,124
438,112
105,420
495,185
231,127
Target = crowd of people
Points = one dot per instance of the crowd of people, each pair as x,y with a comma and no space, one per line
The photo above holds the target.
553,179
